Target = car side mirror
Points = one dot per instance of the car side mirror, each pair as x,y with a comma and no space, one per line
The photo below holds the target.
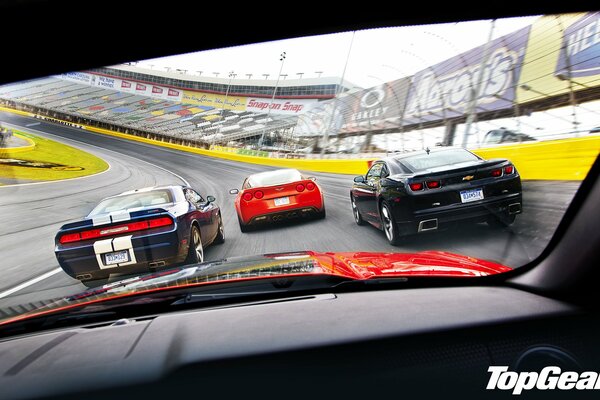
234,191
359,179
312,178
210,199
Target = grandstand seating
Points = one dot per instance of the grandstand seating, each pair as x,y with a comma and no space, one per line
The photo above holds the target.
182,121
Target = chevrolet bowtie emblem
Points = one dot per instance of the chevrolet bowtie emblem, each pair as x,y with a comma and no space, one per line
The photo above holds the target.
468,177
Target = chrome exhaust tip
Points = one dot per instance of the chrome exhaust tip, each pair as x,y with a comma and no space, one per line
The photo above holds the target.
157,264
514,208
428,225
83,277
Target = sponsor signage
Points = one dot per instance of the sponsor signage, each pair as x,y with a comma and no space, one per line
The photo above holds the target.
562,49
446,89
279,106
580,51
214,100
379,107
78,77
105,82
157,92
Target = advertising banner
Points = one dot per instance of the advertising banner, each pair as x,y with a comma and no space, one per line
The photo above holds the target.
446,89
79,77
580,49
121,85
379,107
280,106
214,100
563,53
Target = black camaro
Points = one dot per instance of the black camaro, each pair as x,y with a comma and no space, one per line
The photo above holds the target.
425,190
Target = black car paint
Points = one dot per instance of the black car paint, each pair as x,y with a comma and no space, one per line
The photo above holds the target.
409,207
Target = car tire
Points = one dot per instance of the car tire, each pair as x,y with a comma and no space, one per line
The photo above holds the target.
357,217
501,221
388,225
220,238
322,214
243,227
195,250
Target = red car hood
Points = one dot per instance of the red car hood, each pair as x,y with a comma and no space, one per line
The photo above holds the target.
426,263
355,266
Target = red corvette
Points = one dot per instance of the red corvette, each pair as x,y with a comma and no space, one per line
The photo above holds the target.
277,195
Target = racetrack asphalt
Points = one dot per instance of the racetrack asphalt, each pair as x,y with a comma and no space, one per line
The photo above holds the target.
31,214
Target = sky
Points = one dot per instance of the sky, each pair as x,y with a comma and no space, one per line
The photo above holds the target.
374,56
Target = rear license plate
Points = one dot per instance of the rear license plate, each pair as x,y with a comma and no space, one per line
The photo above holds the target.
282,201
466,196
116,257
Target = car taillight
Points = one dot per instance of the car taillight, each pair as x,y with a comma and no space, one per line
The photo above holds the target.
509,169
310,186
70,237
247,196
416,186
300,187
497,172
258,194
115,230
433,184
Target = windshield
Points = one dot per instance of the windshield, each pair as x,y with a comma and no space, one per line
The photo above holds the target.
401,130
438,159
133,200
274,178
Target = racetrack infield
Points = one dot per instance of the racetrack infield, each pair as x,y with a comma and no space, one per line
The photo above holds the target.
49,160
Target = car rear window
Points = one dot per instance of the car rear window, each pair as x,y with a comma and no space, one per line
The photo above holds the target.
133,200
272,178
437,159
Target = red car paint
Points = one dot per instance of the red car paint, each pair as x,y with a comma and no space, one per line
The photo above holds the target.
303,197
351,265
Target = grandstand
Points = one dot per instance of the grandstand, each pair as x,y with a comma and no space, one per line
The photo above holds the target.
204,124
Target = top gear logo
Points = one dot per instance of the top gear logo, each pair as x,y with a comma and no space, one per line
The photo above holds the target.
549,378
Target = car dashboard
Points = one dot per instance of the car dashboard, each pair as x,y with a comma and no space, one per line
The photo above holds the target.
351,343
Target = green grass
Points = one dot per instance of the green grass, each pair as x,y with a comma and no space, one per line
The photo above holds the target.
76,162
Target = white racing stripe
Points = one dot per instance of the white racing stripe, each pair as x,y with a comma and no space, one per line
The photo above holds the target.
29,282
57,270
118,216
101,220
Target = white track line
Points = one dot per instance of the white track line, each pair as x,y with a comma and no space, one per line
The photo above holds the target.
55,271
29,282
94,146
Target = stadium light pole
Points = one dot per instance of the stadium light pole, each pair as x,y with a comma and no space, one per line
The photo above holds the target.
568,77
335,97
266,76
262,137
385,136
319,72
231,76
249,76
300,74
475,92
